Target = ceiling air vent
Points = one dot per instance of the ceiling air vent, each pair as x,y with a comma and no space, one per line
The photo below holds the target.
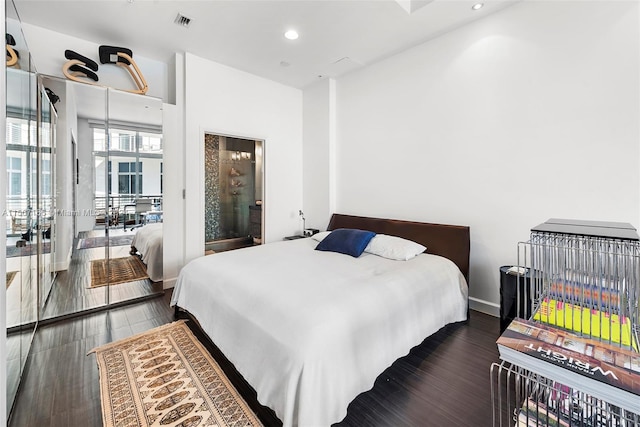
182,20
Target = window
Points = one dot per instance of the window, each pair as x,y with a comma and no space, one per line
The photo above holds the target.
123,140
14,176
161,175
130,178
45,175
150,142
128,147
17,131
109,177
99,140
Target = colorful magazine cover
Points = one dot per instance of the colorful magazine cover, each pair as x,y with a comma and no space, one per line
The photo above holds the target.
593,359
586,295
587,321
535,414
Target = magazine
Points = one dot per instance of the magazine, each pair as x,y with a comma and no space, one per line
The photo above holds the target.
560,406
585,295
534,414
587,321
601,370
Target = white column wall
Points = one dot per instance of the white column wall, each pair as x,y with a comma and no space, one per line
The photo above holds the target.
86,215
318,153
173,204
66,118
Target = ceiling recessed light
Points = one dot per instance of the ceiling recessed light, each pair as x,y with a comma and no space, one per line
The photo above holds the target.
477,6
291,34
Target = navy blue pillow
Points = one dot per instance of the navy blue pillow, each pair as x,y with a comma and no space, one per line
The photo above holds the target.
349,241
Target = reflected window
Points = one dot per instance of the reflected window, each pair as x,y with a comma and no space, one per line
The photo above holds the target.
17,131
14,176
109,178
45,175
132,157
150,142
130,178
123,140
99,140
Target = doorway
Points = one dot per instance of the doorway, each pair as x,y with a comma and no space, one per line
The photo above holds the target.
233,192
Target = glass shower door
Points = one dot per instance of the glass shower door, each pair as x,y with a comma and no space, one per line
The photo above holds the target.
233,192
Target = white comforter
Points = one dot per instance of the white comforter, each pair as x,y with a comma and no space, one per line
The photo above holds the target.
310,330
148,241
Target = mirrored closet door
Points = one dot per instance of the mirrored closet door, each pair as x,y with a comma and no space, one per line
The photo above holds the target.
84,168
80,109
43,183
133,172
21,207
109,163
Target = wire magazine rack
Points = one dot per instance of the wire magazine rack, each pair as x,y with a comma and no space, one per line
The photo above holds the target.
523,398
584,277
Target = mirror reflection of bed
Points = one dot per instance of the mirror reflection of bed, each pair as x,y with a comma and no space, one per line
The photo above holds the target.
147,244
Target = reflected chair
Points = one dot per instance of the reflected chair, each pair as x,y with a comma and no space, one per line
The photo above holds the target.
12,55
79,68
123,57
142,206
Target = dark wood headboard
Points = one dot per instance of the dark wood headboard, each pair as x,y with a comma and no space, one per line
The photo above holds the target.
449,241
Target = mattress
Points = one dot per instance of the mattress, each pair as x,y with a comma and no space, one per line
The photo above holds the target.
310,330
148,241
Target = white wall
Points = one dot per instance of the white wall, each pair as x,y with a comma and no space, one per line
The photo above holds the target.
528,114
67,118
319,136
86,215
223,100
173,206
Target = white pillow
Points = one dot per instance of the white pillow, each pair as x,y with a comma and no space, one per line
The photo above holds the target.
321,235
394,247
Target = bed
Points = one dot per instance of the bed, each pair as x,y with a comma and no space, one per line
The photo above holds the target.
148,243
310,330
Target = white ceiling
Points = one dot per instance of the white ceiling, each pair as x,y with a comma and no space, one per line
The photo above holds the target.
336,36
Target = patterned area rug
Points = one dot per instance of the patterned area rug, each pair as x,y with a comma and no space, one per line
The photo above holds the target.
28,250
166,377
98,242
121,270
10,276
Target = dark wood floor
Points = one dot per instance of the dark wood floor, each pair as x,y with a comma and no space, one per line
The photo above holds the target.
60,387
442,382
71,293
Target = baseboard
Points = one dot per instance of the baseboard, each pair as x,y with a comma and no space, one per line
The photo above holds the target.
485,307
169,283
